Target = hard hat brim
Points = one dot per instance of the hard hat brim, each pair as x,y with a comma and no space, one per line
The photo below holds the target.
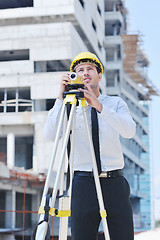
93,61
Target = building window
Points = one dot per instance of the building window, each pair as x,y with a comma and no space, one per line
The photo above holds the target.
15,100
108,6
3,150
52,66
99,46
15,4
82,3
3,207
94,26
19,207
50,103
110,54
110,79
99,10
118,52
14,55
24,152
1,100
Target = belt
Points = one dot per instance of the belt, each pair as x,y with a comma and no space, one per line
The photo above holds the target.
108,174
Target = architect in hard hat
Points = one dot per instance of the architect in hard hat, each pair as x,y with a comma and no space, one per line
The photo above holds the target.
114,120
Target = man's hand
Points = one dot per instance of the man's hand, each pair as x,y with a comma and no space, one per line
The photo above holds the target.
64,82
90,97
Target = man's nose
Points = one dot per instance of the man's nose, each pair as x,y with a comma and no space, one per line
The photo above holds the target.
85,72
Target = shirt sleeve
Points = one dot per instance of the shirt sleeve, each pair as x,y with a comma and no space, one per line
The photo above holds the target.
119,118
50,127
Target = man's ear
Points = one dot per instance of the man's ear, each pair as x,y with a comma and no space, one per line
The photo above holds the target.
100,76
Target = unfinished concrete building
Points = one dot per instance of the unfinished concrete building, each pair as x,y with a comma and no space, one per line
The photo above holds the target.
38,41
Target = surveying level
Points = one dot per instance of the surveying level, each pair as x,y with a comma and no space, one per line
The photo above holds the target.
76,81
47,209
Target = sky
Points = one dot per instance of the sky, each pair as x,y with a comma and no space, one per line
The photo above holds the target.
144,17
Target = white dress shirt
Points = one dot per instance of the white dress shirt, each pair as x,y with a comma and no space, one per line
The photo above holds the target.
114,120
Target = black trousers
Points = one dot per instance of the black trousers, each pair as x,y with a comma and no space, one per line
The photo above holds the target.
85,217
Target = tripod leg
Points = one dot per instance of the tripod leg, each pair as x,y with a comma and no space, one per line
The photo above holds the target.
96,178
63,223
62,155
66,204
42,228
53,154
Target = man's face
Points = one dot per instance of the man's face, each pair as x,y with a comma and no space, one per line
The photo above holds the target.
90,75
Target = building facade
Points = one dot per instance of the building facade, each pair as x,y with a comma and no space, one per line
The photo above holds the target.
38,41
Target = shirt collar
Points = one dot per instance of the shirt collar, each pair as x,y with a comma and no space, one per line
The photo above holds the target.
100,97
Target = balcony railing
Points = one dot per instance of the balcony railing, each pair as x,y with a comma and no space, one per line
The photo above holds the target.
18,105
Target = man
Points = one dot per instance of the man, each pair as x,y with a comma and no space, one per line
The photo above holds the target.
114,119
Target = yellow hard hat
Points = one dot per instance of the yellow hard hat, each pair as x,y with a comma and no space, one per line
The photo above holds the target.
86,57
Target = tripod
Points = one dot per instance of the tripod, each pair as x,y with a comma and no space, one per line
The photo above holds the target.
48,201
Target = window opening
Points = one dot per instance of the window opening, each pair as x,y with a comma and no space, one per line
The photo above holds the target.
15,100
50,103
99,10
52,66
99,46
82,3
19,207
24,152
3,150
5,4
2,204
14,55
94,26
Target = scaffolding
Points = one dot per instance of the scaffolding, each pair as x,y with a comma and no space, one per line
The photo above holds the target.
135,61
25,179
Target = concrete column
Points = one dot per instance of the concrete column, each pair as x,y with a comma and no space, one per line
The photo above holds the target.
10,150
114,7
5,101
13,208
10,205
17,96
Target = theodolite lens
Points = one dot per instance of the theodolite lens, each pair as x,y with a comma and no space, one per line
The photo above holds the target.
73,76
